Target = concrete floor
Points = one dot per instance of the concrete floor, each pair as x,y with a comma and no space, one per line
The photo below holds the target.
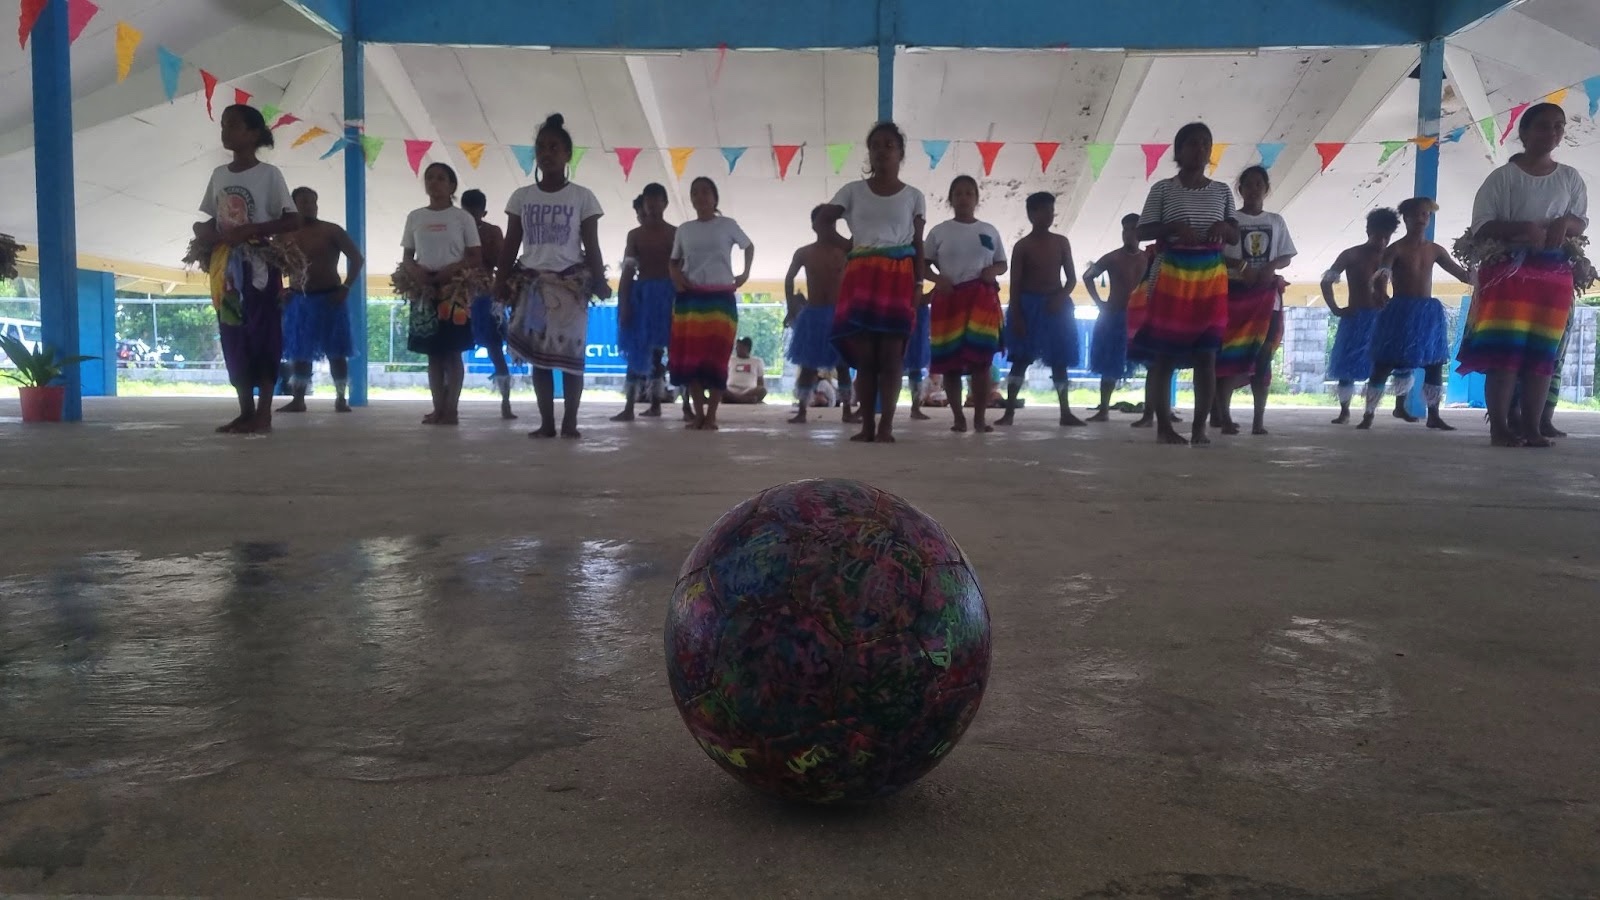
363,658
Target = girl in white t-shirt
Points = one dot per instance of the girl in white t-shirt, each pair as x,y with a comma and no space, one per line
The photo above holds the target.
440,241
965,259
1255,304
246,203
705,316
555,227
882,281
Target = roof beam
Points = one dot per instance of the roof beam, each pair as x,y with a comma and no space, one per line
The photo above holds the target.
1462,68
1452,16
396,82
645,87
1130,81
337,17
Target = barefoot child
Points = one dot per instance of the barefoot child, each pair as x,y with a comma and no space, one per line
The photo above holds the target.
965,259
555,224
1041,323
440,242
919,354
488,317
1255,303
247,202
705,317
1412,331
811,317
644,302
1108,348
882,280
1351,359
316,322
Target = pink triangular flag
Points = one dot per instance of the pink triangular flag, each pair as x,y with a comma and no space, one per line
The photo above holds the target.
722,56
415,151
785,155
28,18
1047,151
1511,123
210,82
1329,152
988,150
79,12
241,97
625,158
1152,158
285,119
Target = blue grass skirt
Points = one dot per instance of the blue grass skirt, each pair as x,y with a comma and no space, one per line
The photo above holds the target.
809,345
1351,359
1051,339
1108,347
315,327
1411,332
919,348
649,324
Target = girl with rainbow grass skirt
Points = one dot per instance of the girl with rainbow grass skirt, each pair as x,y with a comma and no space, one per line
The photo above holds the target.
964,259
705,318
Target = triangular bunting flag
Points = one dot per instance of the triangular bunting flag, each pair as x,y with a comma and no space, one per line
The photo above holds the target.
311,134
572,162
1152,158
837,154
1047,151
784,153
79,12
1556,96
732,154
415,151
988,150
1269,154
28,18
1486,125
1425,142
128,40
524,155
1511,123
241,97
473,151
1098,154
370,148
1455,135
1217,150
210,82
338,145
1591,88
269,112
935,151
680,159
722,56
171,68
625,158
1329,152
285,119
1390,148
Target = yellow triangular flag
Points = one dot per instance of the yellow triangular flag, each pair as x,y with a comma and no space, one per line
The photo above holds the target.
1556,96
473,151
680,159
1425,142
128,38
1216,157
311,134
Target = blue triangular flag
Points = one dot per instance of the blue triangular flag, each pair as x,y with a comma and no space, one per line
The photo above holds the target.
171,68
1591,86
732,154
524,155
1455,135
935,151
1269,154
337,146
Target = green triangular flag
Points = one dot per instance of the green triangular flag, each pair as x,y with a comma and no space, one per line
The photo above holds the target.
1486,125
1390,148
837,154
577,157
270,113
370,148
1098,154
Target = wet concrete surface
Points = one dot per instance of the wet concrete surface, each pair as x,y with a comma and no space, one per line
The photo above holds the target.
363,658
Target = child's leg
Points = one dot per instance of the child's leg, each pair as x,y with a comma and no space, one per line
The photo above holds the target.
981,387
1063,385
455,375
1014,383
657,383
1433,395
1499,385
864,354
1374,396
952,392
1347,392
261,423
435,389
1403,380
1103,414
1222,406
890,354
1260,388
1149,417
632,386
1205,391
339,370
689,414
805,387
1533,387
713,399
1161,401
299,381
842,378
572,398
914,379
544,392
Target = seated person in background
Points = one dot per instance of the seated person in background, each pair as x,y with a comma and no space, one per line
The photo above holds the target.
825,394
747,378
997,400
933,394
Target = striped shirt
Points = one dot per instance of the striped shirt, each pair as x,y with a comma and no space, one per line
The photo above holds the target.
1200,208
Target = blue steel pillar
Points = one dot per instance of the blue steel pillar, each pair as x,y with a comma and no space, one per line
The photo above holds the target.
1430,104
54,191
355,205
97,332
888,13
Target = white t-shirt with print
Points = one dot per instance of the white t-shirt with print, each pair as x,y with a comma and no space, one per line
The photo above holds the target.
439,237
552,224
745,374
1262,239
256,196
881,221
1512,195
703,247
962,250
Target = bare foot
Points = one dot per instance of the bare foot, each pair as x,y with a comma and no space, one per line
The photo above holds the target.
884,437
689,416
1068,420
1498,438
960,426
1537,440
865,436
448,419
571,432
1405,415
237,426
624,416
1145,422
342,405
854,418
653,412
431,419
1009,417
1104,415
1168,436
506,413
1176,417
1551,431
983,428
1228,428
692,424
710,425
1366,423
798,418
1197,437
1343,419
1258,429
262,423
1439,424
547,431
293,406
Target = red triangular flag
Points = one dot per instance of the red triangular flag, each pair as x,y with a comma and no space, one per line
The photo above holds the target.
285,119
1152,158
29,17
241,97
722,55
989,150
1329,152
415,151
626,157
1047,151
210,82
79,12
1516,113
785,154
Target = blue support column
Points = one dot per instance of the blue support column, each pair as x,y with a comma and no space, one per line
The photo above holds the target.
1430,104
355,205
54,192
97,332
888,14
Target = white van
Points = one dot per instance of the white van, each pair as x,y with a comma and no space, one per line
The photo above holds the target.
29,333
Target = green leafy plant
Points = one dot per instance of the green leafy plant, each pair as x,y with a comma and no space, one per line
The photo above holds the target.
35,369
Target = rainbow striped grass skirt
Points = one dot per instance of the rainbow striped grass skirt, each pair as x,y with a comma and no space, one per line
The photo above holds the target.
1185,308
704,325
1518,316
1249,328
877,296
965,333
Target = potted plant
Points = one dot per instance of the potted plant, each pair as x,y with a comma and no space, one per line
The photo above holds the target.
35,375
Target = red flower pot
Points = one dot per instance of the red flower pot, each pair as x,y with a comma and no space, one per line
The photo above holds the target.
42,404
